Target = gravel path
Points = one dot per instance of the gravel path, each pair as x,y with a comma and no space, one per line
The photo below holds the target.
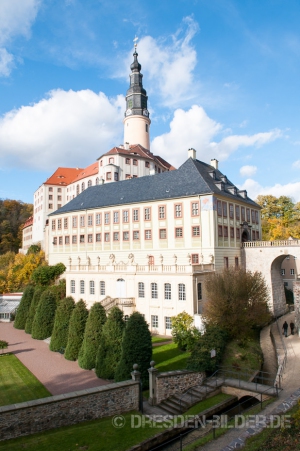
56,373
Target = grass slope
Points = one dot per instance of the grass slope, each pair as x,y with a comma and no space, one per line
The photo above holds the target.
168,357
17,383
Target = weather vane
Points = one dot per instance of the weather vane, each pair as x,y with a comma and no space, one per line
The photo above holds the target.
135,42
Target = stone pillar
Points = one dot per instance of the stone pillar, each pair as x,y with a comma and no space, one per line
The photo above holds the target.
296,289
136,375
152,384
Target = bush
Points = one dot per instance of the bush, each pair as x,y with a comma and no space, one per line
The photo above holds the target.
59,290
62,318
23,309
3,345
110,349
136,348
76,330
43,321
183,331
92,337
45,275
200,359
33,306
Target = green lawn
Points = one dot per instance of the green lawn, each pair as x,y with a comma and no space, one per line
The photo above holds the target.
168,357
17,383
207,403
156,339
241,354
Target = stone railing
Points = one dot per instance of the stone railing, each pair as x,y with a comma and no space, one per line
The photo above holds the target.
276,243
187,269
109,302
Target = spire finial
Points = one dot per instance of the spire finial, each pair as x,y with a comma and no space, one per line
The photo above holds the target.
135,42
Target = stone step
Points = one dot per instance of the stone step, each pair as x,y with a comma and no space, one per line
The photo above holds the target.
170,408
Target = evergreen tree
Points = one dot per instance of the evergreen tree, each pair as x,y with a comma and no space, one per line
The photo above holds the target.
92,337
76,330
23,310
136,348
110,349
63,314
44,317
33,306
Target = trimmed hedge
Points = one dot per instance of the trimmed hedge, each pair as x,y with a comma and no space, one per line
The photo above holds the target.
136,348
110,349
33,306
44,317
23,309
59,337
76,330
92,336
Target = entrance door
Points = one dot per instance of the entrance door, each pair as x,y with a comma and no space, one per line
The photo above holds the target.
121,288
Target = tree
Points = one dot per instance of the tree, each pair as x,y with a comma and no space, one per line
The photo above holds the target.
23,309
76,330
183,331
110,349
60,331
136,348
92,337
6,260
13,214
43,322
33,306
3,345
237,301
20,270
215,339
45,275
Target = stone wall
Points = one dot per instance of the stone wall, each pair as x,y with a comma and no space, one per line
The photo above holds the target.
72,408
296,289
172,382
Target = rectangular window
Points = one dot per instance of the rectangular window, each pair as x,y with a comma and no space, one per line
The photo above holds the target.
162,212
199,291
195,259
53,224
148,235
59,198
236,262
243,213
195,208
125,236
220,231
256,217
225,232
81,221
72,286
74,239
50,206
292,272
81,239
116,217
134,162
59,190
196,231
98,237
237,212
102,288
168,322
248,214
92,287
238,234
74,222
55,241
141,289
127,176
168,291
135,215
283,272
90,220
50,189
224,205
116,177
257,235
82,287
154,291
147,214
59,224
125,216
219,208
178,232
147,164
67,240
60,240
98,218
225,262
106,237
253,235
108,176
178,211
136,235
231,232
106,218
65,223
58,205
116,236
181,292
253,216
162,234
154,321
231,211
90,238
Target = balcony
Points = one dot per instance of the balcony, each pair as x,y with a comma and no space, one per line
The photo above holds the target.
142,269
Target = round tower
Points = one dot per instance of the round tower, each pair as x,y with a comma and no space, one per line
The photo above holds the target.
136,121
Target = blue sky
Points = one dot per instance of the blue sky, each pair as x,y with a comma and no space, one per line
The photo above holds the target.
221,76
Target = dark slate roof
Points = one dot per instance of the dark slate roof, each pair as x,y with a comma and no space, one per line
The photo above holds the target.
192,178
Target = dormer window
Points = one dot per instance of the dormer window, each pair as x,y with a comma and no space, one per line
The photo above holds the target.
111,160
212,174
224,178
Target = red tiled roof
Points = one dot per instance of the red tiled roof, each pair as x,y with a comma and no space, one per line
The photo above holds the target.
29,222
92,169
63,176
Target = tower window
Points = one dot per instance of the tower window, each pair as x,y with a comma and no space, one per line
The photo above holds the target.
147,128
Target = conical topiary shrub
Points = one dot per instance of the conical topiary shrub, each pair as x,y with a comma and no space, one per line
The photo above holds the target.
44,317
92,337
76,330
59,337
110,349
136,348
33,306
23,309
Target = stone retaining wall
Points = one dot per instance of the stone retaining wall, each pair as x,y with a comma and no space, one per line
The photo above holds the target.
72,408
172,382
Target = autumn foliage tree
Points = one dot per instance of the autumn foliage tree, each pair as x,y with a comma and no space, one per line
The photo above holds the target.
13,214
237,301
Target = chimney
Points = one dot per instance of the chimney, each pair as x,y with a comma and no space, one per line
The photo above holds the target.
214,163
126,146
192,153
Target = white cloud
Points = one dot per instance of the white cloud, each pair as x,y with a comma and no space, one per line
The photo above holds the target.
16,18
254,189
193,128
248,171
65,129
169,67
296,164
